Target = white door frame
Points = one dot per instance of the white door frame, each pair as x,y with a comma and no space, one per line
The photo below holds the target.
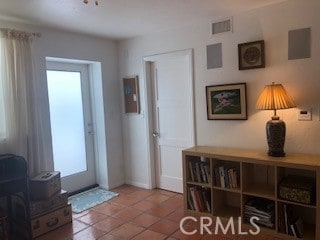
98,114
149,111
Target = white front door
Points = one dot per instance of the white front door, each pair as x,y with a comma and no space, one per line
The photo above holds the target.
173,114
71,124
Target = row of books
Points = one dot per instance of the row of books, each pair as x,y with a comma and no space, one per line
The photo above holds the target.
199,199
226,177
200,172
289,224
261,208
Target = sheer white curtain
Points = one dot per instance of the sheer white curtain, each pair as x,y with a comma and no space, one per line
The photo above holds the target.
21,130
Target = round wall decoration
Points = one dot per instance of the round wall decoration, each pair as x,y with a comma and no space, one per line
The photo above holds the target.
251,55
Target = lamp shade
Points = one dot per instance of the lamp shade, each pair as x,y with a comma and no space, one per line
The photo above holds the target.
275,97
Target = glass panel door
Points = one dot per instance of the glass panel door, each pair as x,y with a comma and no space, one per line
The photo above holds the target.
71,126
67,124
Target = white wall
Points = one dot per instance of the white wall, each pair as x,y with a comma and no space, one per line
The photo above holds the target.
60,44
300,78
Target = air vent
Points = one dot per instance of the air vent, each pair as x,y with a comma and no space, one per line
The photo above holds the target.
221,26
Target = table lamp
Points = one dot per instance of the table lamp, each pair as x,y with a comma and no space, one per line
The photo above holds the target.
274,97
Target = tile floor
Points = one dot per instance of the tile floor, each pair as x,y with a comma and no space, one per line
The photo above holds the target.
137,214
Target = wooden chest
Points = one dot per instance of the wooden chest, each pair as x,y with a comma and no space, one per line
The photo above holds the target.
42,206
45,185
44,223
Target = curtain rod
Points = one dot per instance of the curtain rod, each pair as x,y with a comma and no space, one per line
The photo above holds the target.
35,34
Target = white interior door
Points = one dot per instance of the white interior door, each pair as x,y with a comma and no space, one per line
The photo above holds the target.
173,116
71,124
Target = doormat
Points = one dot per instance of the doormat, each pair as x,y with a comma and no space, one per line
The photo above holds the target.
88,199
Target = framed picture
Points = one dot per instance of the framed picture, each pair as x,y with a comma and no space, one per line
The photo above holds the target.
131,94
251,55
226,102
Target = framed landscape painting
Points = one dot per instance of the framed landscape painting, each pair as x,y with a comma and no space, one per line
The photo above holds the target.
226,102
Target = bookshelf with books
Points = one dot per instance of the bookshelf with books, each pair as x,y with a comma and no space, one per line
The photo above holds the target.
226,175
222,182
199,183
199,199
296,221
199,171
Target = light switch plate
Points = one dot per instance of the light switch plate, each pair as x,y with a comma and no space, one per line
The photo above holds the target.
305,115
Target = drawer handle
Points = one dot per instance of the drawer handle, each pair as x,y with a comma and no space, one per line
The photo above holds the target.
53,222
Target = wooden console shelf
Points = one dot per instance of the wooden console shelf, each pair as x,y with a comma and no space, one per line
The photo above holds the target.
222,182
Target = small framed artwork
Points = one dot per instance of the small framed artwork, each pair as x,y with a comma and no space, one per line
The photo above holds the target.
226,102
131,94
251,55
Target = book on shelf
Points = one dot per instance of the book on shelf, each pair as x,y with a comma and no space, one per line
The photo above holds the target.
230,176
289,224
297,227
236,180
227,180
222,177
199,199
190,201
193,197
207,172
285,218
192,173
203,173
281,220
293,231
206,197
199,172
217,177
226,177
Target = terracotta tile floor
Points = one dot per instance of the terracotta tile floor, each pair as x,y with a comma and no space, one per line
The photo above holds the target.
136,214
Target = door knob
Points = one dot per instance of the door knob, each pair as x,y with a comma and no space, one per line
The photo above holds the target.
155,134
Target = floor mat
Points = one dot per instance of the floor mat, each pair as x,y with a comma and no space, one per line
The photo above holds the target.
88,199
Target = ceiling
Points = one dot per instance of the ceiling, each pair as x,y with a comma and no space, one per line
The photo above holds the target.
120,19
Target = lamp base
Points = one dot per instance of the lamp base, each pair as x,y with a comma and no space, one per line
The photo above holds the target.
276,154
276,134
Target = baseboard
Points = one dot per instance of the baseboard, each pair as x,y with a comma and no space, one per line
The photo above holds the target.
132,183
138,184
114,185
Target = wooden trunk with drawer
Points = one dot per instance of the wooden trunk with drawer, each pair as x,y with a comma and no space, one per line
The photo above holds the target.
44,223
